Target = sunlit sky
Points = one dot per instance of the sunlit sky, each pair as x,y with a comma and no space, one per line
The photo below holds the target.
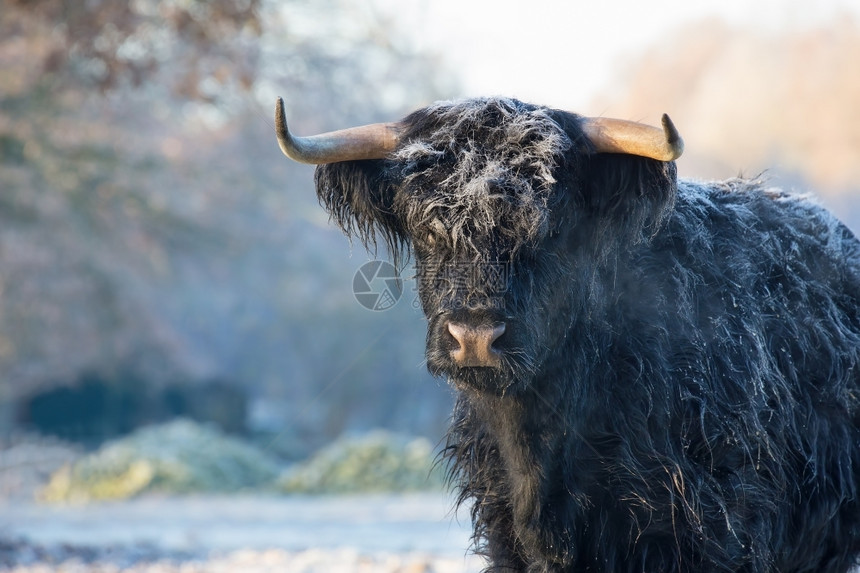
562,53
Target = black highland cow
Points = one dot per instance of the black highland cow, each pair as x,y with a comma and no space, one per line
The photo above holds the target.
666,375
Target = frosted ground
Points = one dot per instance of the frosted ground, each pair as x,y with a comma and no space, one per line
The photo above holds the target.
62,509
406,533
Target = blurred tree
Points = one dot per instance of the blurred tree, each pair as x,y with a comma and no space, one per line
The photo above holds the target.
106,43
150,229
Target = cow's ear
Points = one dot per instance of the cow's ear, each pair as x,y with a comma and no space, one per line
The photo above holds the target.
359,198
630,195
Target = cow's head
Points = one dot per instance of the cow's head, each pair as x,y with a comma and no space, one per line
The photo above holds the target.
510,211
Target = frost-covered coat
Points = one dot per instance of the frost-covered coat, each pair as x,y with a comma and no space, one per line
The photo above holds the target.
678,387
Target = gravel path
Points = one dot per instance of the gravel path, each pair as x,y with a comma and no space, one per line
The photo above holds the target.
391,534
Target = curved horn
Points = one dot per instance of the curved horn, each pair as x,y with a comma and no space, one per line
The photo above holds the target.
619,136
372,141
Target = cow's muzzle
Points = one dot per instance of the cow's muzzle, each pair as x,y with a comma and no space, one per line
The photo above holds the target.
475,344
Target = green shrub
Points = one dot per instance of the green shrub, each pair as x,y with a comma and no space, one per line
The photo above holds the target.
375,462
177,457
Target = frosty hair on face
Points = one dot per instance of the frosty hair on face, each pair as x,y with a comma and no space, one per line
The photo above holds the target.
481,167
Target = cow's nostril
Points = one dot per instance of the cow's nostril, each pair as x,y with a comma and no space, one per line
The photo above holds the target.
498,331
476,343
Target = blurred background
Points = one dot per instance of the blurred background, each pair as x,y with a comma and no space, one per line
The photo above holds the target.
166,275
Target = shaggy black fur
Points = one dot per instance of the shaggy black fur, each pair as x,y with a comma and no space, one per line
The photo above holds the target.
679,383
